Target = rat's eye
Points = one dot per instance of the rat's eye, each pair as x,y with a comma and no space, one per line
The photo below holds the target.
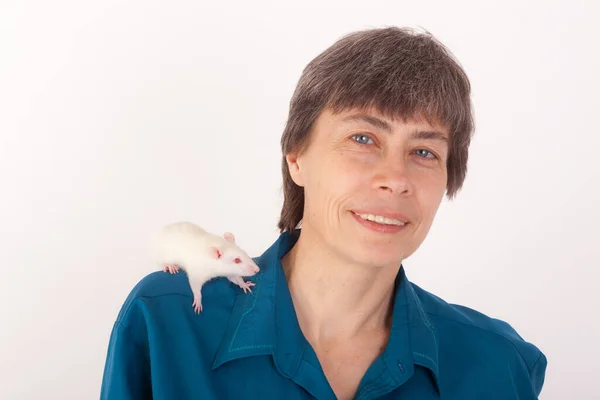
237,260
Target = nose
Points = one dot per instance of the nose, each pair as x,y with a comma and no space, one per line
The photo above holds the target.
392,176
255,268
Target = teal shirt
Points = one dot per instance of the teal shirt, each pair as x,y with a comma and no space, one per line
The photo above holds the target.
250,346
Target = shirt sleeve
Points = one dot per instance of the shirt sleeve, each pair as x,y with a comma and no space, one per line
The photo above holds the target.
127,369
538,374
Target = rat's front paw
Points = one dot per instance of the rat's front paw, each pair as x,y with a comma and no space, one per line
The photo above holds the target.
240,282
246,286
173,269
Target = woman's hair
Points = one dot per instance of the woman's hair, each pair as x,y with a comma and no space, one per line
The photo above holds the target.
395,71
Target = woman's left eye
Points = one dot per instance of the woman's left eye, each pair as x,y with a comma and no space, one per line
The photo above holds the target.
362,139
426,151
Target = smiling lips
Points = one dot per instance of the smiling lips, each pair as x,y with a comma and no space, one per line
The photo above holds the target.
387,223
380,219
383,218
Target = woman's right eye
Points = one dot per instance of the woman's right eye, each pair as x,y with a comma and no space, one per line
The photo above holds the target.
362,139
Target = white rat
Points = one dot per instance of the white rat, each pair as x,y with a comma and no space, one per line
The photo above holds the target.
203,256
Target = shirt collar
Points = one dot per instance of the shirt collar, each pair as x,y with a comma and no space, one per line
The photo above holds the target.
264,322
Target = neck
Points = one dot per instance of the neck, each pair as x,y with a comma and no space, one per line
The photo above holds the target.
335,299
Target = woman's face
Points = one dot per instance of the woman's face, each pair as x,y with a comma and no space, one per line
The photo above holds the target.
360,166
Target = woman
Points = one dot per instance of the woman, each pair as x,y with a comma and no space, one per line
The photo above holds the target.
378,131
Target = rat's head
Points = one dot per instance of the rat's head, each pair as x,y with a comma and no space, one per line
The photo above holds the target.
232,259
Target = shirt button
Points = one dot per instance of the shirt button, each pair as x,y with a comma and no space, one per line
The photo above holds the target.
401,367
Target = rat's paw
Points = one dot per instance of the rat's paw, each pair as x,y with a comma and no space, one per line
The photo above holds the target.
173,269
197,304
246,286
240,282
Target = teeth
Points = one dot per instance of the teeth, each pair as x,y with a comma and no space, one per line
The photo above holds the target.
381,220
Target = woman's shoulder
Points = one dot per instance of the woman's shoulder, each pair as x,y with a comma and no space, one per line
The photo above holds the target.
446,313
161,297
470,335
157,329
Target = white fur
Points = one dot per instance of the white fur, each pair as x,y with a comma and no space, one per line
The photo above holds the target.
187,246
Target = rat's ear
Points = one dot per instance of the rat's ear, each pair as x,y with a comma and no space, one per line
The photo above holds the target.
215,252
294,168
229,236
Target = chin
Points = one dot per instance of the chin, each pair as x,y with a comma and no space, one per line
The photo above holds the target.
380,250
369,247
375,254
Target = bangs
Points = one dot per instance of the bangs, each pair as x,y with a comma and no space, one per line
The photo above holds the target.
402,89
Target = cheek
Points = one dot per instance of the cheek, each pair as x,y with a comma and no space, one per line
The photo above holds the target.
332,182
430,196
349,167
345,174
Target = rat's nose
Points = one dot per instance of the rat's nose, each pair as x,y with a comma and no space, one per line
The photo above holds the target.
251,268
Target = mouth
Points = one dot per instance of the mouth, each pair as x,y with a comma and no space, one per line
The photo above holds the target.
383,219
381,223
252,270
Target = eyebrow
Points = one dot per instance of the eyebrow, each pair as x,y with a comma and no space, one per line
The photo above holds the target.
385,126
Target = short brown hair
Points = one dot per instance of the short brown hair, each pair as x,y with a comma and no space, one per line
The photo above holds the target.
393,70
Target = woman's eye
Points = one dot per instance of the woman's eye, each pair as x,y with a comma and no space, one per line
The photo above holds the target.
362,139
426,151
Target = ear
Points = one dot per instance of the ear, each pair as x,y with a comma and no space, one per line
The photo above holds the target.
229,236
215,252
294,168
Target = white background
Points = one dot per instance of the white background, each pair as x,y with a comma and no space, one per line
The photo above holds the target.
118,117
